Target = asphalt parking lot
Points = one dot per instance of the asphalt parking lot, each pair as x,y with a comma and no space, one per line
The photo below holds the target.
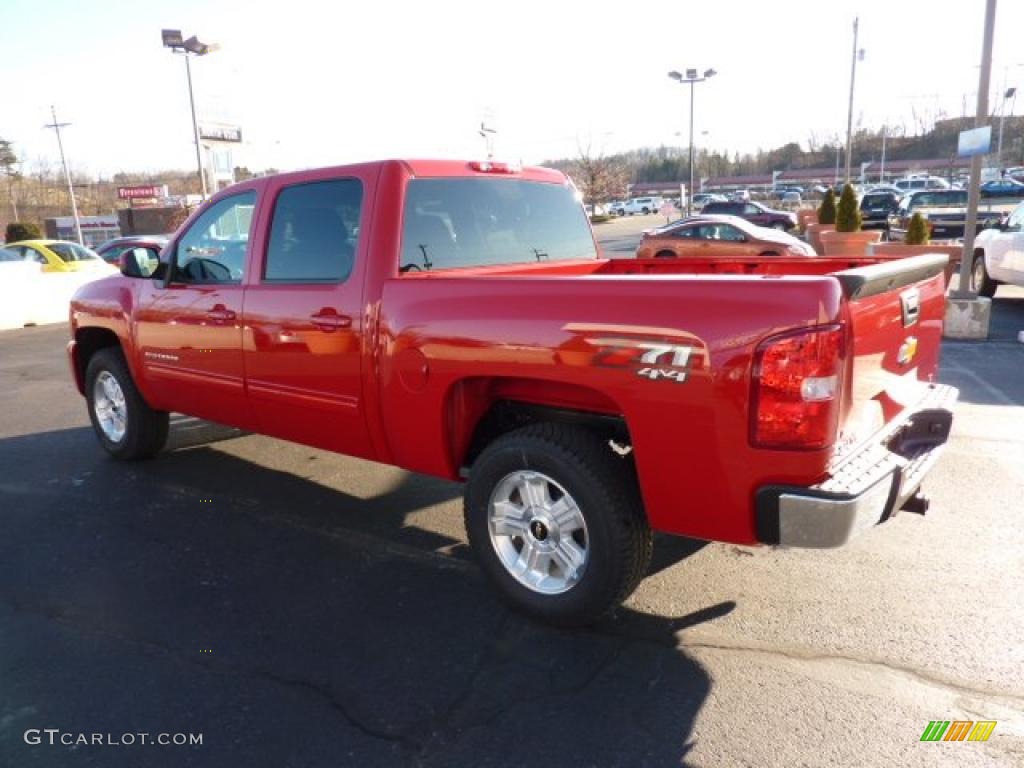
299,608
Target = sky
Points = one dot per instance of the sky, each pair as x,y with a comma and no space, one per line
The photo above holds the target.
324,83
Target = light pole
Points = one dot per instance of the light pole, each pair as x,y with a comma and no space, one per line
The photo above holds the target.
857,55
881,170
67,175
172,39
692,78
1011,93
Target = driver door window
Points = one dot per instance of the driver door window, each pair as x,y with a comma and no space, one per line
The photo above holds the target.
213,250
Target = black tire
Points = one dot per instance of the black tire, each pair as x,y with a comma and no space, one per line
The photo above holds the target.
768,255
145,432
647,211
603,485
665,255
988,286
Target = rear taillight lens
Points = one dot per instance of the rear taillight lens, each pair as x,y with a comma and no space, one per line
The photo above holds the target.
797,382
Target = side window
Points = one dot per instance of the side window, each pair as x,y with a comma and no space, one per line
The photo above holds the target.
725,232
751,210
1017,217
213,249
31,254
687,232
314,232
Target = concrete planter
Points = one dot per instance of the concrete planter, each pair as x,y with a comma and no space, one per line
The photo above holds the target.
814,235
901,250
806,216
849,243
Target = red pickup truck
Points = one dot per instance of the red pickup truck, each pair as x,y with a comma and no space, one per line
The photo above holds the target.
457,319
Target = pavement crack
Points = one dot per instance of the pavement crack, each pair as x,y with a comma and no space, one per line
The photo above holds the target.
917,675
322,692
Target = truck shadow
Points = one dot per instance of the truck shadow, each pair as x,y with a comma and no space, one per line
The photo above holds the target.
295,622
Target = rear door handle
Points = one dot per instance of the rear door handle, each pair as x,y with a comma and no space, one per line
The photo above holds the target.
221,314
328,319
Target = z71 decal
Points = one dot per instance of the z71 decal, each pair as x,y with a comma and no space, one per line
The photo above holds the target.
655,360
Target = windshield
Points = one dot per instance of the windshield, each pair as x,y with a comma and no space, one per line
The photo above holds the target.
952,197
472,222
72,252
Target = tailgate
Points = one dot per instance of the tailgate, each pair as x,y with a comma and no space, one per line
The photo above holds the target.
895,312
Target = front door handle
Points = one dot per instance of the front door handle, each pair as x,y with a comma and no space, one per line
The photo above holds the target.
328,319
221,314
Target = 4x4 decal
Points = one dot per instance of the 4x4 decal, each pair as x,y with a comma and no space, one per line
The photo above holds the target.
655,360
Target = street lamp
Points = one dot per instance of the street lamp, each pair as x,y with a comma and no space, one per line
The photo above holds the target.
692,78
858,55
1011,93
172,38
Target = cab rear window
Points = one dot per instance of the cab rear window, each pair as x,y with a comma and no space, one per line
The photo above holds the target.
470,222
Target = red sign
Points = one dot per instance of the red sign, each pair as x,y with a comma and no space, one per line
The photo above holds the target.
142,191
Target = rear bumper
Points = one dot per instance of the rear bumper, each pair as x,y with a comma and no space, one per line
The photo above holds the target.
869,486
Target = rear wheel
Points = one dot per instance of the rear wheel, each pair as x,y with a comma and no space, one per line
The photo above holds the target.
555,520
126,426
981,283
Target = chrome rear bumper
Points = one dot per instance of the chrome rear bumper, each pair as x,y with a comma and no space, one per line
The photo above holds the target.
867,488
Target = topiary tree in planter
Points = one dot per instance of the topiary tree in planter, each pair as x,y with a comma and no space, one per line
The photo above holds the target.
21,230
848,213
917,230
827,210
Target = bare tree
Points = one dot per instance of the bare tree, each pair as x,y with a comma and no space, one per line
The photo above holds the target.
600,177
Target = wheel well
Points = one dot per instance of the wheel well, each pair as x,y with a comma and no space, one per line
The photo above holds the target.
768,254
507,415
664,254
89,341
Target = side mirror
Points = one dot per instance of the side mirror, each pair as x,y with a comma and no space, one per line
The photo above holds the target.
129,265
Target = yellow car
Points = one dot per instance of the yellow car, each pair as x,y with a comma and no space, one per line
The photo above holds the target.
60,256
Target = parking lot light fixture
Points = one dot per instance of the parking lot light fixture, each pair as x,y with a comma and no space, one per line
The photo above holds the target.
692,77
173,39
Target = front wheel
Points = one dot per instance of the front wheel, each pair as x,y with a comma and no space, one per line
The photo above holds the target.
981,283
555,520
126,426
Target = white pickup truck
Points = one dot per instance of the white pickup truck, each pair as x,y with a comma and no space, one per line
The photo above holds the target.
999,255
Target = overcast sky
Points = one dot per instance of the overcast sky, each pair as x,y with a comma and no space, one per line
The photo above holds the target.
321,83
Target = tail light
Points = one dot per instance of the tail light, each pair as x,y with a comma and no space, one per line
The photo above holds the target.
797,386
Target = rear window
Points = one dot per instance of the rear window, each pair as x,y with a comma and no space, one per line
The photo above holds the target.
471,222
957,197
72,252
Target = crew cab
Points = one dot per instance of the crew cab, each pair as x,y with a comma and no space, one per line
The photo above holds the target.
457,319
945,211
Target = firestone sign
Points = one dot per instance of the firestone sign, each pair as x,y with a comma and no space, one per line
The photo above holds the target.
142,192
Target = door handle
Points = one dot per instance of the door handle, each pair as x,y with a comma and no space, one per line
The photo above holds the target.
328,319
221,314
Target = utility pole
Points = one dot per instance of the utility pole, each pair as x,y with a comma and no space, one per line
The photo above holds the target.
881,170
849,114
974,185
67,175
